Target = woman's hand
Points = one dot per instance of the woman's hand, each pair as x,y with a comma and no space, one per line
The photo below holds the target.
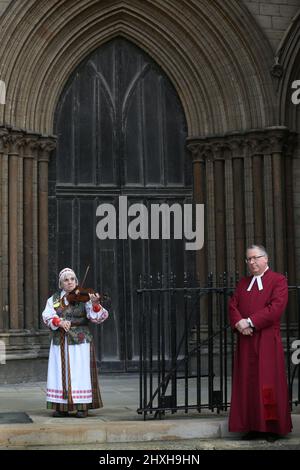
65,325
95,298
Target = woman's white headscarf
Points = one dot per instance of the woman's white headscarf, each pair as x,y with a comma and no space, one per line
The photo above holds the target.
64,273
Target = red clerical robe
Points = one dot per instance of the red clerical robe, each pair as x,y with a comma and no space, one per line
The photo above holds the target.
259,400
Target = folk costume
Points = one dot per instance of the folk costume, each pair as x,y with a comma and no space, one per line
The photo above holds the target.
72,382
260,394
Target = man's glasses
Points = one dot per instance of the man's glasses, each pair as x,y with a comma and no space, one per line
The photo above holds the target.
253,258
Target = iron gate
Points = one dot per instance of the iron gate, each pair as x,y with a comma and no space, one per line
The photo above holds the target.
187,346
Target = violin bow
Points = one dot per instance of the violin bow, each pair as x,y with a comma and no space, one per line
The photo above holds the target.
84,277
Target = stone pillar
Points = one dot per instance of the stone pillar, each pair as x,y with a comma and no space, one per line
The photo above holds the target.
30,255
229,210
258,165
258,189
199,190
4,301
237,152
46,145
23,252
220,220
277,141
210,246
15,232
268,202
289,203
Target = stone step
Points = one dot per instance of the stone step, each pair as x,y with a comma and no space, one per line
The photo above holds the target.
72,431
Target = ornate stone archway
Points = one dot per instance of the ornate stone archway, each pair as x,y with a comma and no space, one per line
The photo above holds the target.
213,52
219,62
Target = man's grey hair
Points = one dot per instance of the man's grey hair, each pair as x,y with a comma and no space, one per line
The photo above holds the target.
261,248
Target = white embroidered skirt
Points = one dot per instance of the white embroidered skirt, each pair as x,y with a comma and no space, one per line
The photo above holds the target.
79,355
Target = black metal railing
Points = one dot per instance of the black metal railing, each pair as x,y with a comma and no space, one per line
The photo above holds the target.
187,346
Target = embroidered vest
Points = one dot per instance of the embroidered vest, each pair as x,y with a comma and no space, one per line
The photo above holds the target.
79,332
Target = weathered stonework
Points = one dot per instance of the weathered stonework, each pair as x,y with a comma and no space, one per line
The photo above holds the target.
3,5
262,203
24,205
274,17
241,125
198,44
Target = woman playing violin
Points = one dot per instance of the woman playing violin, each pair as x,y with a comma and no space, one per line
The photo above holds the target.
72,383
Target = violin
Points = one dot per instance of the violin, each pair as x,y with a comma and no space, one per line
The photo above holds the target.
80,295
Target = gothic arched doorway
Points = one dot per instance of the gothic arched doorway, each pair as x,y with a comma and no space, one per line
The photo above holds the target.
121,132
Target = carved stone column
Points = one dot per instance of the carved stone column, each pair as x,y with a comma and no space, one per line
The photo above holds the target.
15,218
46,145
229,211
258,188
30,255
289,204
277,142
199,193
23,251
210,245
258,165
220,220
237,152
4,301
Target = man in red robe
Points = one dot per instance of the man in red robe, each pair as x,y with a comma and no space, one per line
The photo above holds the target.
259,402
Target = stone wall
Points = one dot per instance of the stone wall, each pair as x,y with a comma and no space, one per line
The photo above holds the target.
296,184
33,348
3,5
221,70
273,16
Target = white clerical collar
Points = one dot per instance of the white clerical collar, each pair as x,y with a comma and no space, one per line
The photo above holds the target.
258,279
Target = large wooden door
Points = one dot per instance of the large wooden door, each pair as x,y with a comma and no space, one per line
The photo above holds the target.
121,132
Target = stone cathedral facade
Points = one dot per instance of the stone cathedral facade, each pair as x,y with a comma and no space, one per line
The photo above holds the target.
169,100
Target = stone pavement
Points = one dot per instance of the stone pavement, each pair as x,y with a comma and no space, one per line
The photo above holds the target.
117,425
